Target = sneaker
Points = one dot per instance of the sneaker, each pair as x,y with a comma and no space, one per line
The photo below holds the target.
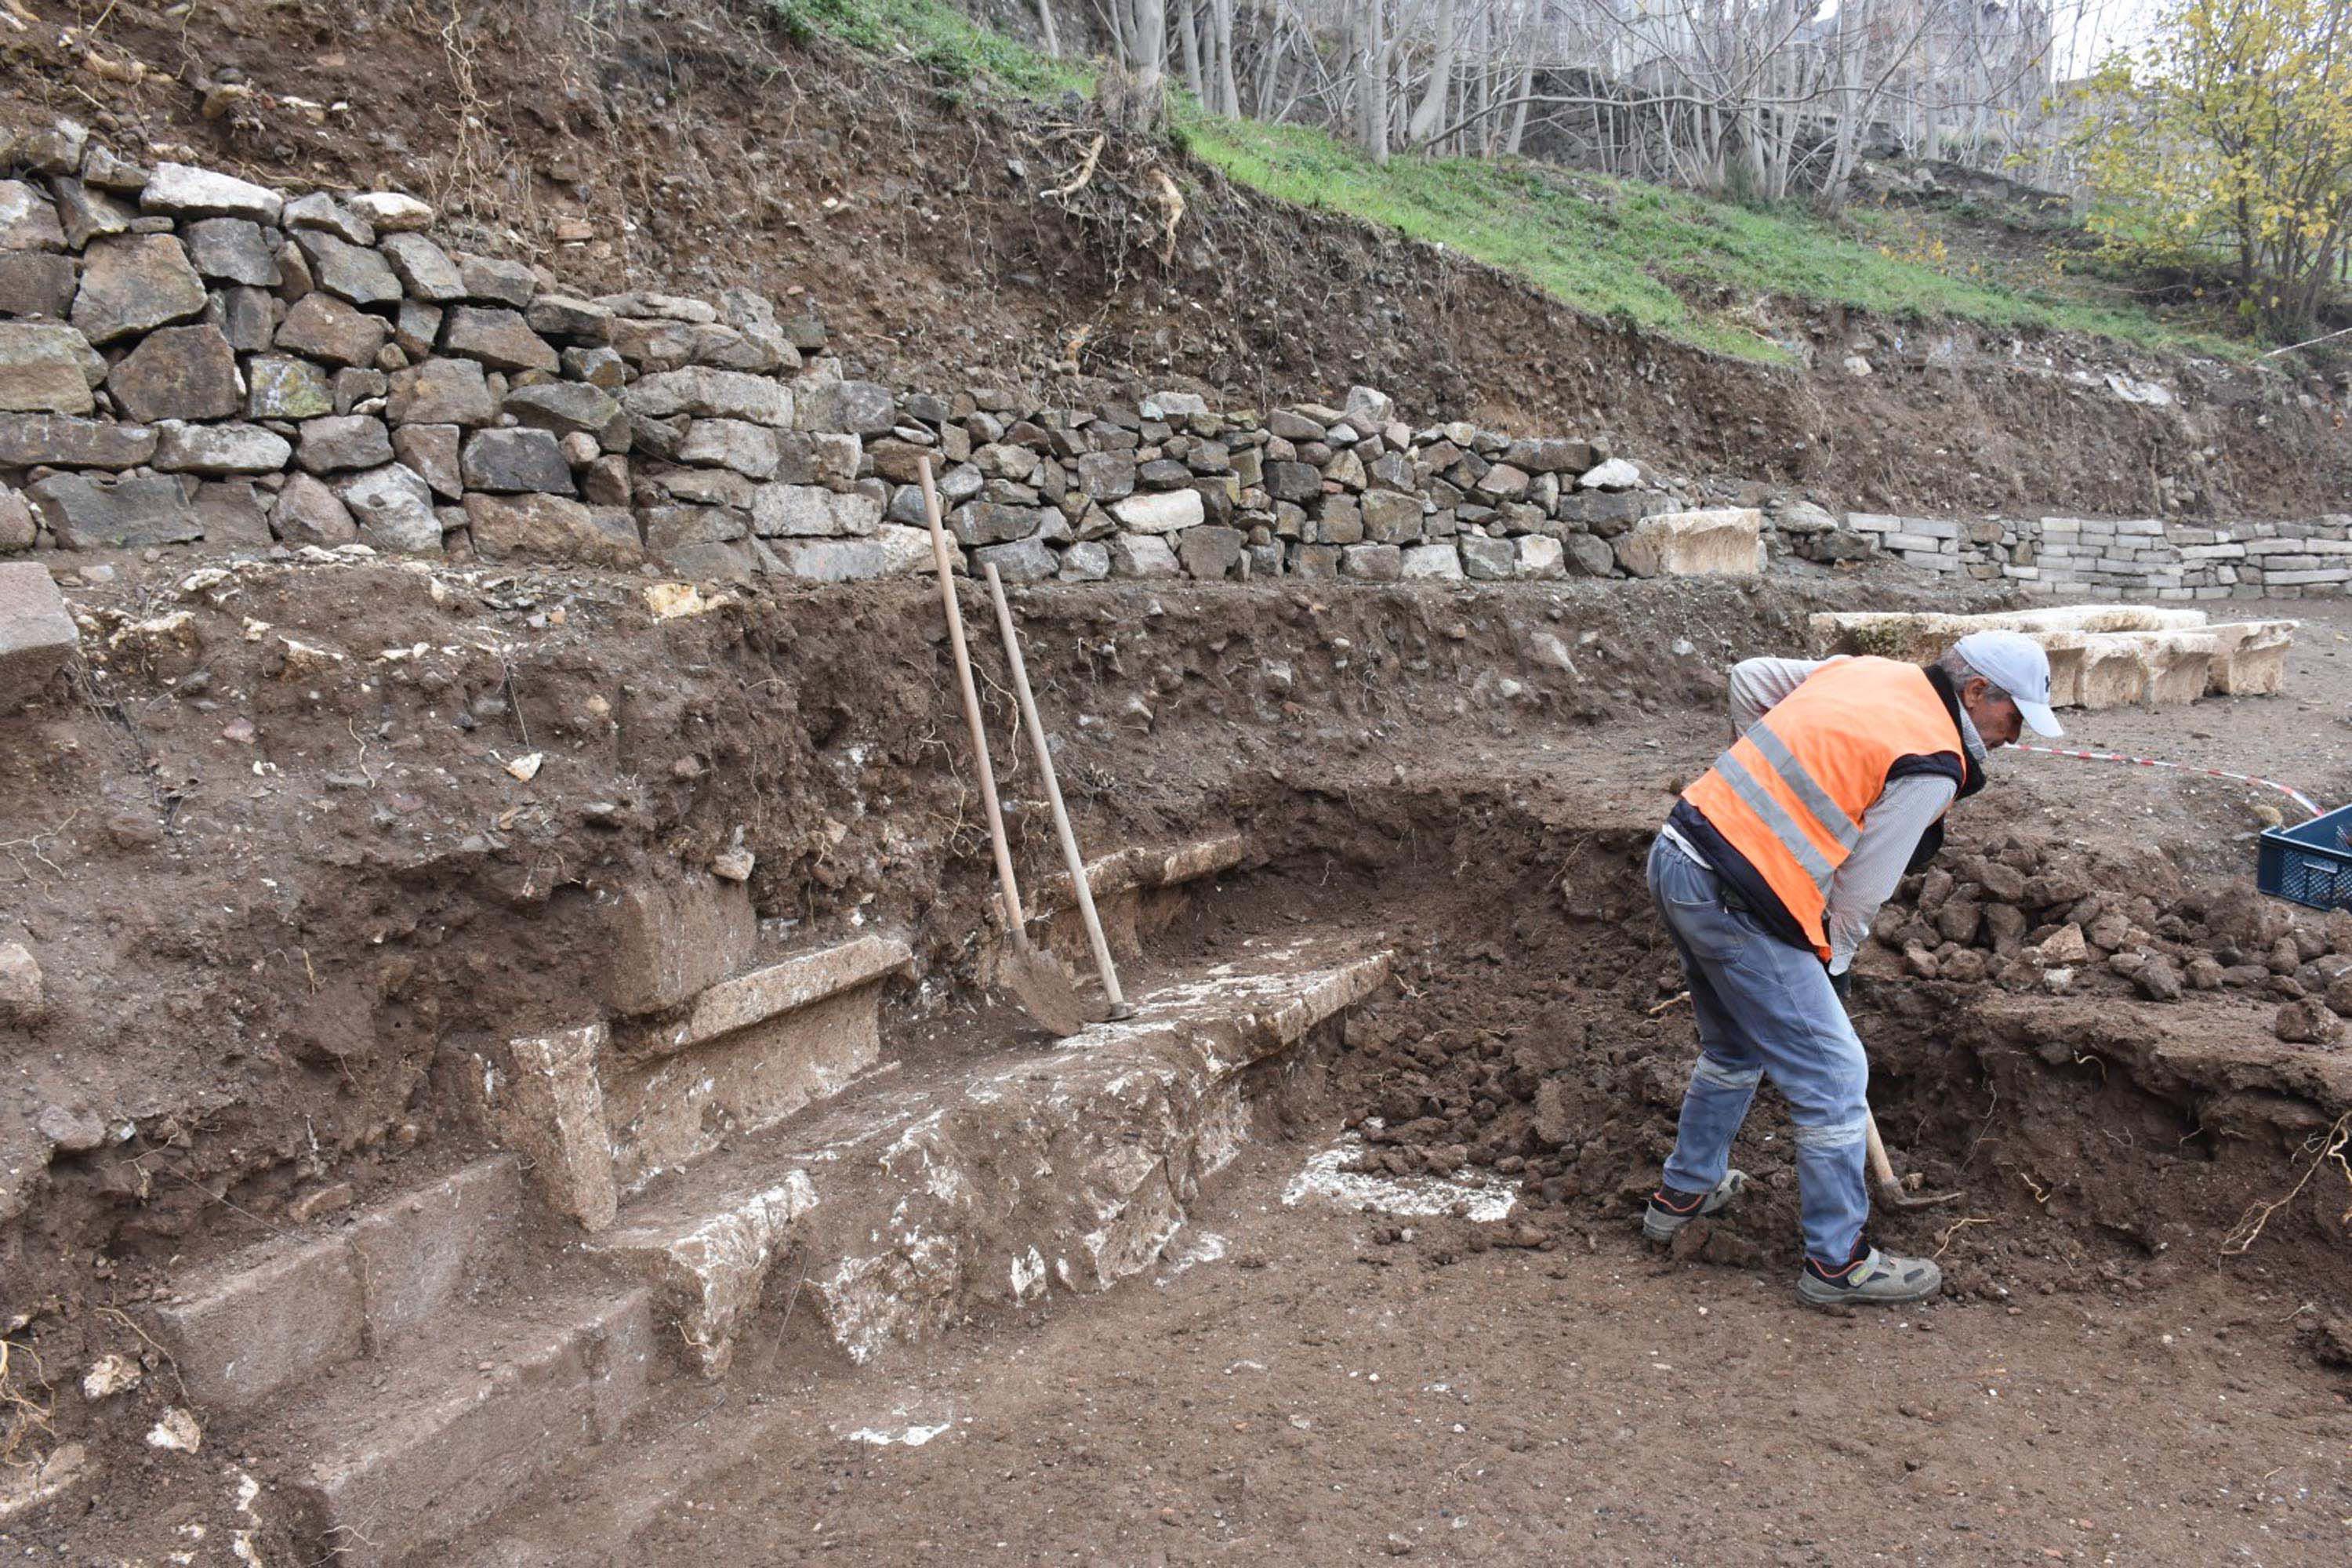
1871,1277
1669,1210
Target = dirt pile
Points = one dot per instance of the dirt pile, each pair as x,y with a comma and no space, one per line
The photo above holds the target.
693,148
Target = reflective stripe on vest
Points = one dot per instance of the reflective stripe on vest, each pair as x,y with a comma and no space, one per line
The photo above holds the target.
1790,794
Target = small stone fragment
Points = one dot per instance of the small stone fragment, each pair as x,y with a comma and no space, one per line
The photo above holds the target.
390,212
2306,1022
108,1375
21,993
177,1429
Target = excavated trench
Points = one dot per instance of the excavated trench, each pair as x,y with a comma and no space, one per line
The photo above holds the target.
2101,1142
1532,1038
2121,1133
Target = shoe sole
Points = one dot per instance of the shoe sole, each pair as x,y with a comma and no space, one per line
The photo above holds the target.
1813,1295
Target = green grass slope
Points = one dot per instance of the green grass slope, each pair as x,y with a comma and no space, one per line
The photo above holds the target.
1660,258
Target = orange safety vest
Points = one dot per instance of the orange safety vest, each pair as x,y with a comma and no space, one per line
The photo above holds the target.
1790,794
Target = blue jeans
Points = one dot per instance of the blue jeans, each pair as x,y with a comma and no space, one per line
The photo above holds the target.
1764,1007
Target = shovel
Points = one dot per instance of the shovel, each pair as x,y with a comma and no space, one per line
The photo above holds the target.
1891,1189
1119,1006
1035,978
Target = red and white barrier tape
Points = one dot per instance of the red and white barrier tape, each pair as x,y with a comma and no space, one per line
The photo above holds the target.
2296,796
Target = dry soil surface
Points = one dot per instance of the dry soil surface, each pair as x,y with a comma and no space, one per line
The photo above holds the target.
1326,1392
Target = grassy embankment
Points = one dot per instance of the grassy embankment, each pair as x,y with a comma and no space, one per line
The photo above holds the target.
1679,265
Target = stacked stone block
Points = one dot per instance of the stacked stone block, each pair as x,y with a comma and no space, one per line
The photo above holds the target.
2128,558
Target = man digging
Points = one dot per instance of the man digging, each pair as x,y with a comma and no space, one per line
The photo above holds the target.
1768,872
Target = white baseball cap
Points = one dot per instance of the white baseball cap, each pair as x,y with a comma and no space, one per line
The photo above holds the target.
2015,663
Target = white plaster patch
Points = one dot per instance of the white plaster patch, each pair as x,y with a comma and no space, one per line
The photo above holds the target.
912,1437
1326,1175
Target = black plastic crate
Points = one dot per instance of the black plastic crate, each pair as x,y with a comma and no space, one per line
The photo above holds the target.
2311,864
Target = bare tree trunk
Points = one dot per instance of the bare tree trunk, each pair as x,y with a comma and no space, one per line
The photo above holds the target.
1269,64
1053,37
1429,113
1148,34
1225,89
1188,38
1372,77
1518,132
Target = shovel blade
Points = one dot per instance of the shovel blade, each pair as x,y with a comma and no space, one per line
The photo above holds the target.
1041,986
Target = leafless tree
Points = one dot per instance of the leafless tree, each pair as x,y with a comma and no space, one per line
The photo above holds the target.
1766,98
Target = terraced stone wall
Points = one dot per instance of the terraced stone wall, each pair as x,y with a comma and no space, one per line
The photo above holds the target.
186,357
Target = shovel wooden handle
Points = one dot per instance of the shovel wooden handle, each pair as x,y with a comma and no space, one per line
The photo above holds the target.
1045,754
1880,1166
1006,884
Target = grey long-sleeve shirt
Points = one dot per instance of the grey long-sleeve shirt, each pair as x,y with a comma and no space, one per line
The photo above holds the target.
1890,828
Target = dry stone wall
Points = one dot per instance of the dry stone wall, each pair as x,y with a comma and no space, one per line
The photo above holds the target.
2130,558
185,357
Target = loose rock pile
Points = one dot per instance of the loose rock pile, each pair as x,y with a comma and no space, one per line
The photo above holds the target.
187,357
2025,917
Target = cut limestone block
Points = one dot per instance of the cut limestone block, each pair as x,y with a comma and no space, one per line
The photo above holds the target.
483,1410
2251,660
2065,652
543,1096
747,1054
1075,1167
36,632
2101,655
2113,674
2093,618
1138,893
2179,666
2151,668
671,940
709,1261
1716,542
1721,542
1911,637
1916,637
777,988
267,1319
600,1110
264,1324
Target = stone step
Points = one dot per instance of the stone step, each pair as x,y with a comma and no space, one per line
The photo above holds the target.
274,1316
912,1202
590,1514
602,1109
1137,893
908,1203
395,1459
